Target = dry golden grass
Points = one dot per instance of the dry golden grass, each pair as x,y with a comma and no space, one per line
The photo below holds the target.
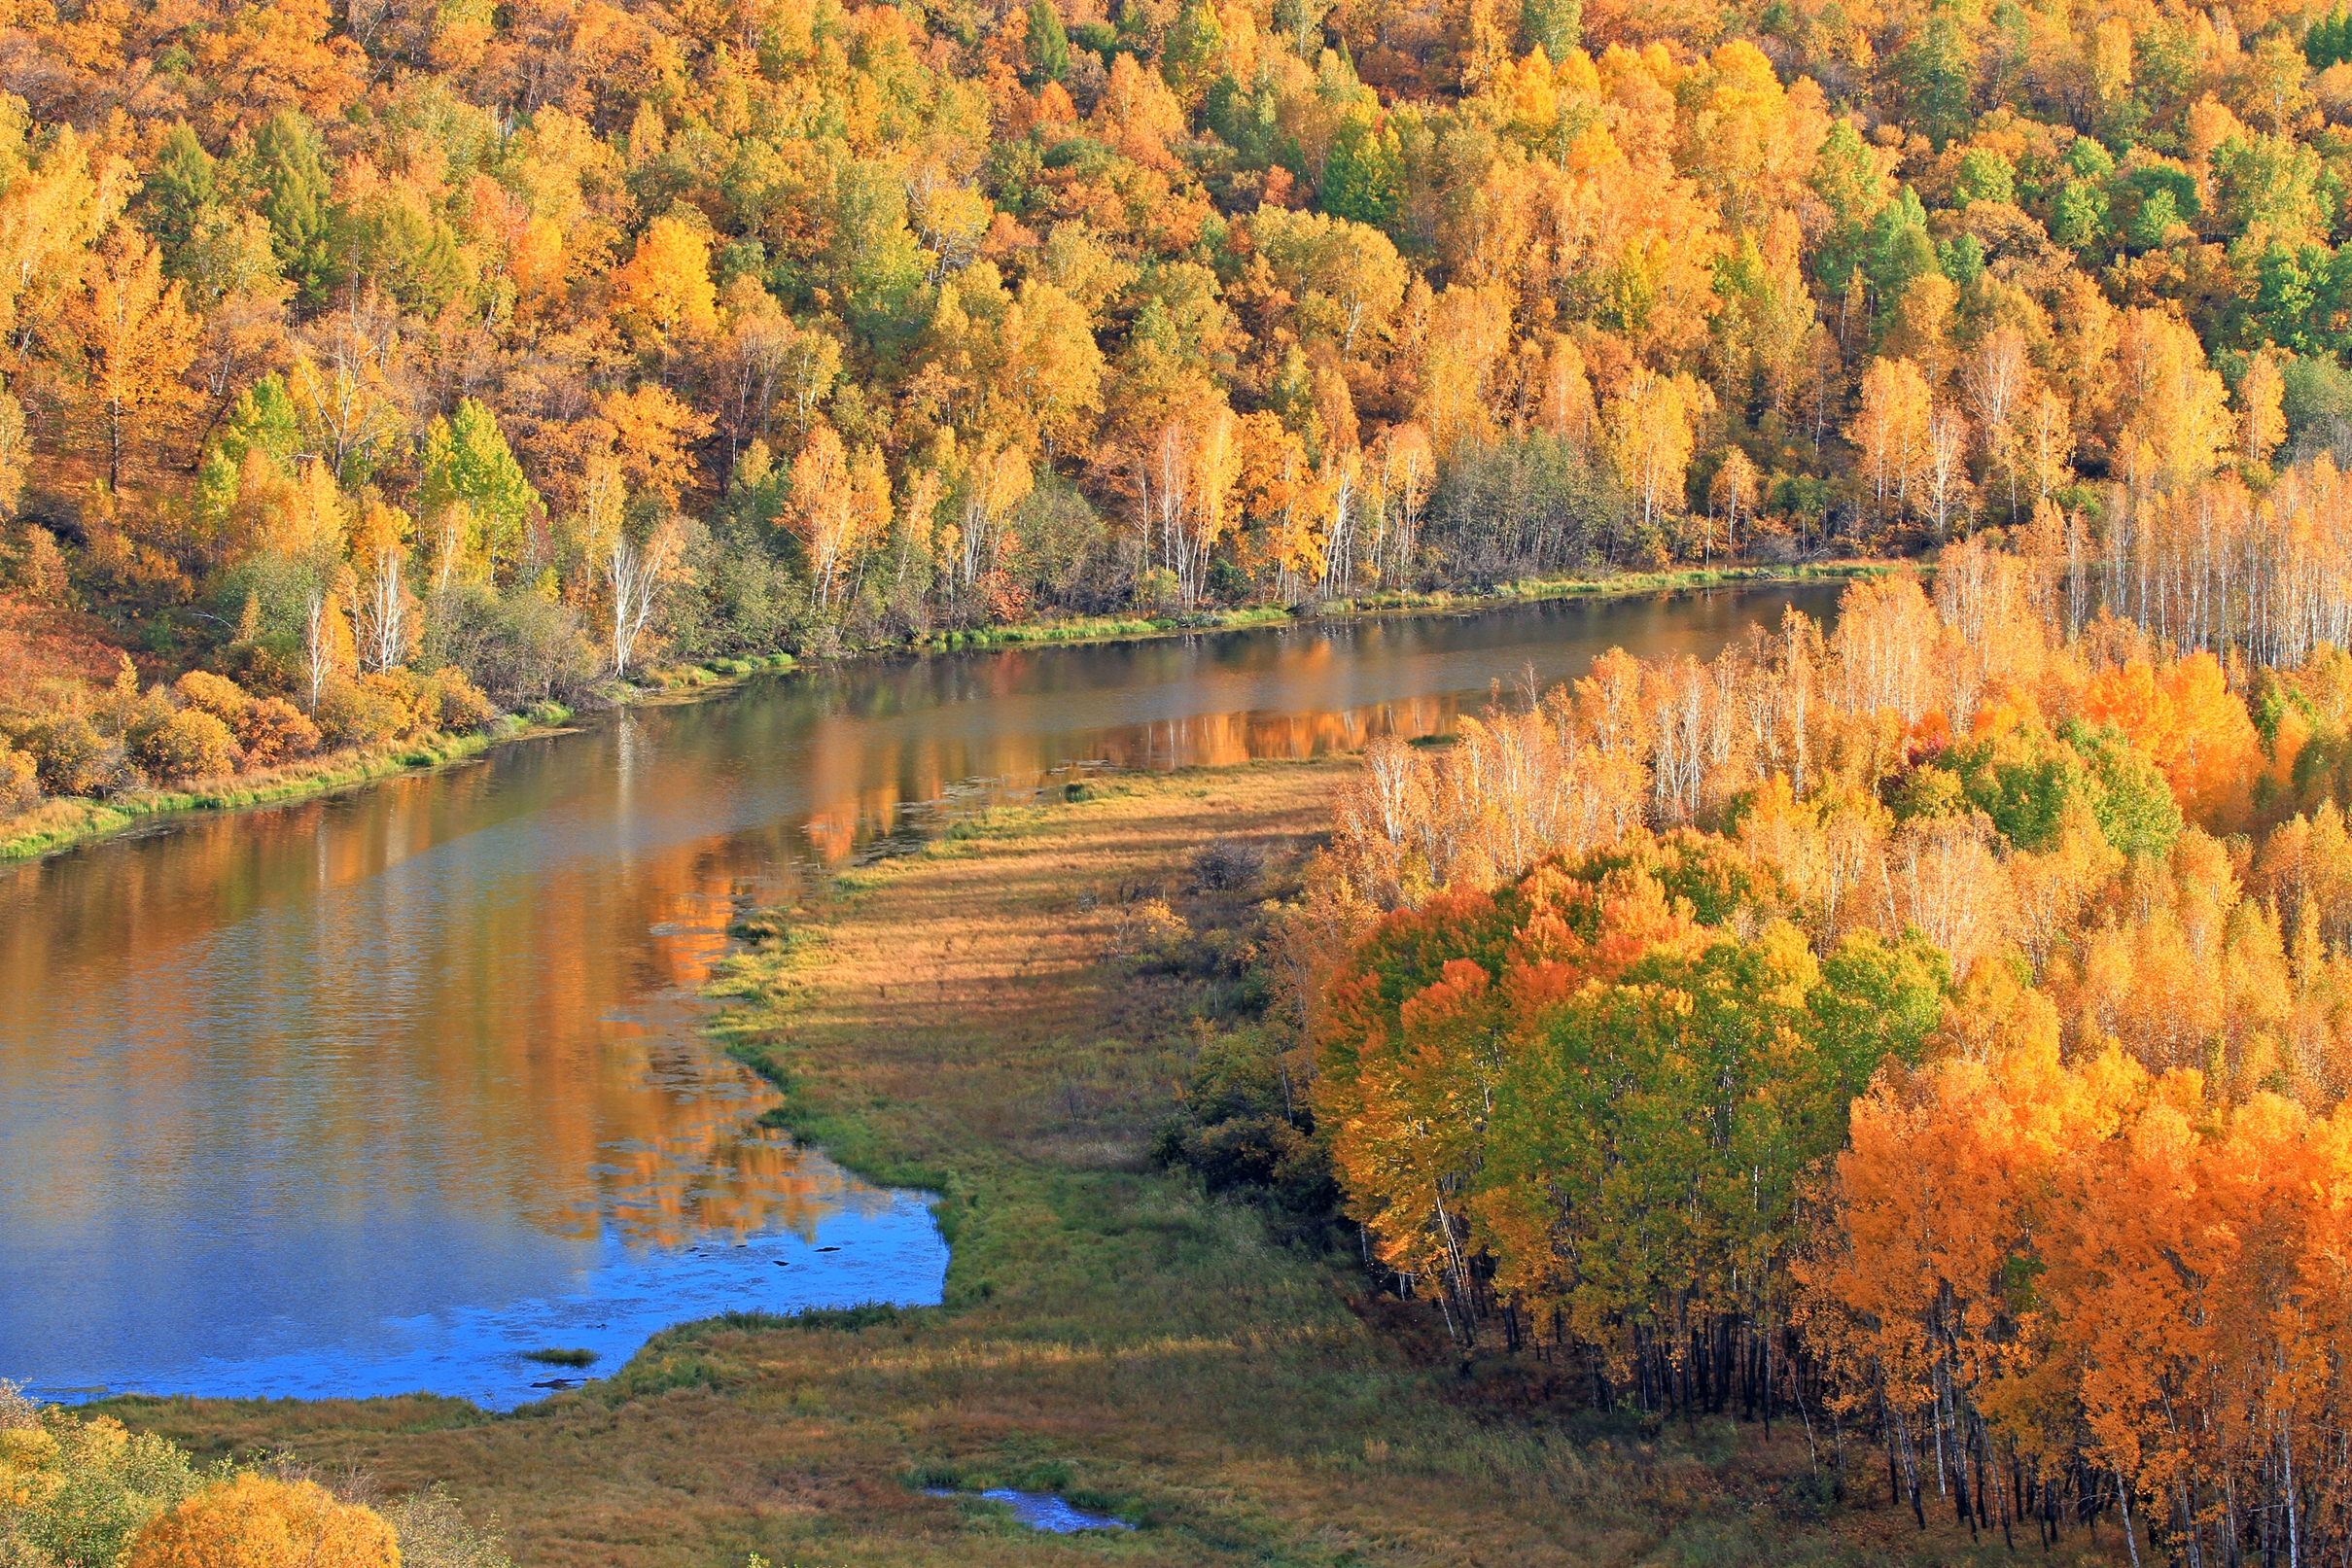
1110,1332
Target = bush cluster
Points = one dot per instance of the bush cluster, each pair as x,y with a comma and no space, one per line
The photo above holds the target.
83,1493
207,725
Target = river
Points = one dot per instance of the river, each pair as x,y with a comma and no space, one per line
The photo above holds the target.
380,1093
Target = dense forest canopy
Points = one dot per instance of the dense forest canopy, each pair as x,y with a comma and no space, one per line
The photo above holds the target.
536,340
1938,1028
1938,1031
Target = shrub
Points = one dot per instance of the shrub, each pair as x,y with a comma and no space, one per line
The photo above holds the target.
1227,865
1242,1130
70,757
1151,934
192,743
274,731
521,647
20,780
254,1521
223,699
435,1533
74,1490
264,670
30,560
80,1491
453,704
350,714
403,695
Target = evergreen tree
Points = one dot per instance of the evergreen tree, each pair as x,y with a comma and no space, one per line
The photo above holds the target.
290,170
1364,179
175,197
1048,44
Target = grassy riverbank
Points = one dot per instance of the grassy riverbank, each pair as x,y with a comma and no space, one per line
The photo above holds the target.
954,1019
1112,628
64,821
61,822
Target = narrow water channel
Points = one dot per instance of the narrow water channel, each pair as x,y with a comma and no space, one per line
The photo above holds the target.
380,1093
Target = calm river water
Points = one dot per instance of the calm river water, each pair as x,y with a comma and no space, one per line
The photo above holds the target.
377,1093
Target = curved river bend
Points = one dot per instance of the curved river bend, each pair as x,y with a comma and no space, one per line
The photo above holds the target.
378,1092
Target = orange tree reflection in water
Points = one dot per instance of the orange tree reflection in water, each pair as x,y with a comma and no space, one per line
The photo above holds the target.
518,1047
928,772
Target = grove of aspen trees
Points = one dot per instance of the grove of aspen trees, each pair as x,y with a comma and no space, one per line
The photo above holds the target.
1937,1034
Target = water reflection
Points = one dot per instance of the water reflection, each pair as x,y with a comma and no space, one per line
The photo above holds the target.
282,1086
926,738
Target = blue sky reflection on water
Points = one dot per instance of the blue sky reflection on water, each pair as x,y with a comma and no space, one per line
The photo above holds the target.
619,1297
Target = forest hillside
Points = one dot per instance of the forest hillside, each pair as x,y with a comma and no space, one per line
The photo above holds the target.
536,343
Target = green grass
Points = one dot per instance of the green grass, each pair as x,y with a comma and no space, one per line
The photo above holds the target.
1109,628
1530,589
561,1358
654,678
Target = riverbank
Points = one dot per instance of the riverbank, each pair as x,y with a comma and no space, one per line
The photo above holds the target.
1531,590
962,1018
66,822
63,823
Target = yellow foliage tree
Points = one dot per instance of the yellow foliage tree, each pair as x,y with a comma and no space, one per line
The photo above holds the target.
255,1521
664,292
134,338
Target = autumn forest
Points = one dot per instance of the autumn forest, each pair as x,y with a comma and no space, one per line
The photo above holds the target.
524,350
1935,1033
1926,1032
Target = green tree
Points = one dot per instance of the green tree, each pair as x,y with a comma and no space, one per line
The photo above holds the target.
2079,216
1364,178
176,197
1555,26
2329,40
1899,249
1048,44
1984,175
289,166
467,460
1195,47
1849,181
1935,72
2130,801
2024,779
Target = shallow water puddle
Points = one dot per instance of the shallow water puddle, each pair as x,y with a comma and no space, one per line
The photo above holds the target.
1041,1510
